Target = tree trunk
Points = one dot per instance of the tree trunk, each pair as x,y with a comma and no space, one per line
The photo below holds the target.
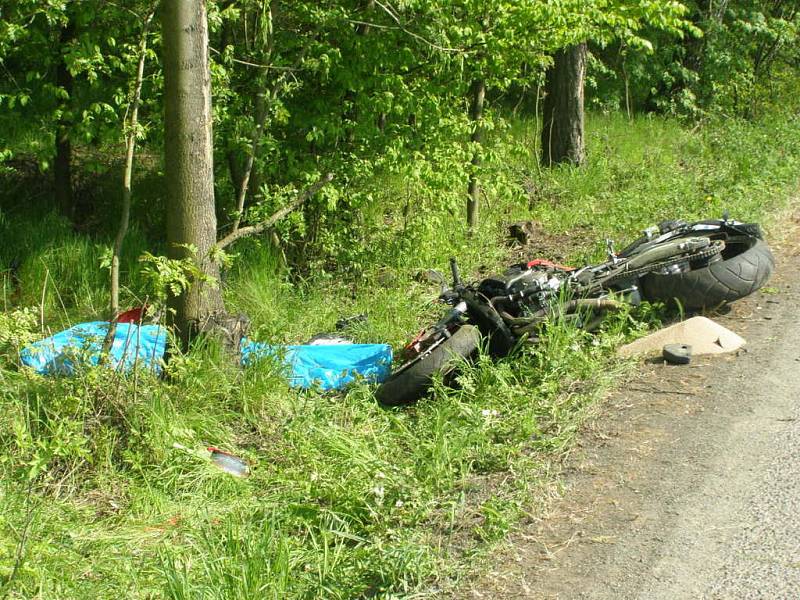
234,169
260,118
62,164
474,188
188,152
562,126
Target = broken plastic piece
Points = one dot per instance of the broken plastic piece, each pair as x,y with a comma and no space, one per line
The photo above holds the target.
229,463
702,334
677,354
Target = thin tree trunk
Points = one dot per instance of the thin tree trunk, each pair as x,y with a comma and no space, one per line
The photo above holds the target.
350,99
188,150
563,124
127,176
231,156
263,100
234,169
476,114
258,132
626,79
62,164
536,137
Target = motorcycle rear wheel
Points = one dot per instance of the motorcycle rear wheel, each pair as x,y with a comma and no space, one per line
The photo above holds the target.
745,265
410,383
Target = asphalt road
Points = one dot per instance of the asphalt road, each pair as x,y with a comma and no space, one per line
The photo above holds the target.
688,484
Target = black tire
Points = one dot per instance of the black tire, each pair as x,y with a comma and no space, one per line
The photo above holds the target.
410,383
745,265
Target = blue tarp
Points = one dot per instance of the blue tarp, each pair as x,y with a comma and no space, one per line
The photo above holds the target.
327,367
320,366
83,344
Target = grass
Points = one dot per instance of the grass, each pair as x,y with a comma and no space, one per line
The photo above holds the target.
104,492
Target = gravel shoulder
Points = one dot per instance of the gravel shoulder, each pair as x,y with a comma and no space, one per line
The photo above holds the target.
688,483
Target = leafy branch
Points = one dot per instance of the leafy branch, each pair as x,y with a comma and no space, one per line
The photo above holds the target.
276,216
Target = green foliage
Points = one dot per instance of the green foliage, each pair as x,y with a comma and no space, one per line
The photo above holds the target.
17,329
96,44
743,63
45,263
166,277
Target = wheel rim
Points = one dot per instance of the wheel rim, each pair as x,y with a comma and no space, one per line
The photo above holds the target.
421,356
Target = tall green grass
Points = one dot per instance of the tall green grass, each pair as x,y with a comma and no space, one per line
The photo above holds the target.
47,265
105,491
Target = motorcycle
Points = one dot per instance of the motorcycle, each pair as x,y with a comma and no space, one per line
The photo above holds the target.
699,265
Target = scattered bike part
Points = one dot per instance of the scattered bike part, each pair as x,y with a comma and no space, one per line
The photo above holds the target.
413,379
677,354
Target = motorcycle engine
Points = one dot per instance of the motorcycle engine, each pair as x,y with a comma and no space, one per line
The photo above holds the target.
517,279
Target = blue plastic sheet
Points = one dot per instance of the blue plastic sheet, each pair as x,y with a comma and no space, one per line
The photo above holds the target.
325,367
319,366
83,344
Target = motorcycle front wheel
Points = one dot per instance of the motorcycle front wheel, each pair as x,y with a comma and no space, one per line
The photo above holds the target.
412,380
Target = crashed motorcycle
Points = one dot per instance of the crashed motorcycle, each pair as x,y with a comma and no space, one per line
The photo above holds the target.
699,265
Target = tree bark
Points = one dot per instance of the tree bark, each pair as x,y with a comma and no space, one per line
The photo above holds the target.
188,151
474,188
62,164
562,126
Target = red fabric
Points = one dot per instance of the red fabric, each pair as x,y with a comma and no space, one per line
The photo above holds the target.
134,315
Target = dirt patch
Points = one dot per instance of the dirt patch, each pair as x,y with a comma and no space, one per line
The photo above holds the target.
540,243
